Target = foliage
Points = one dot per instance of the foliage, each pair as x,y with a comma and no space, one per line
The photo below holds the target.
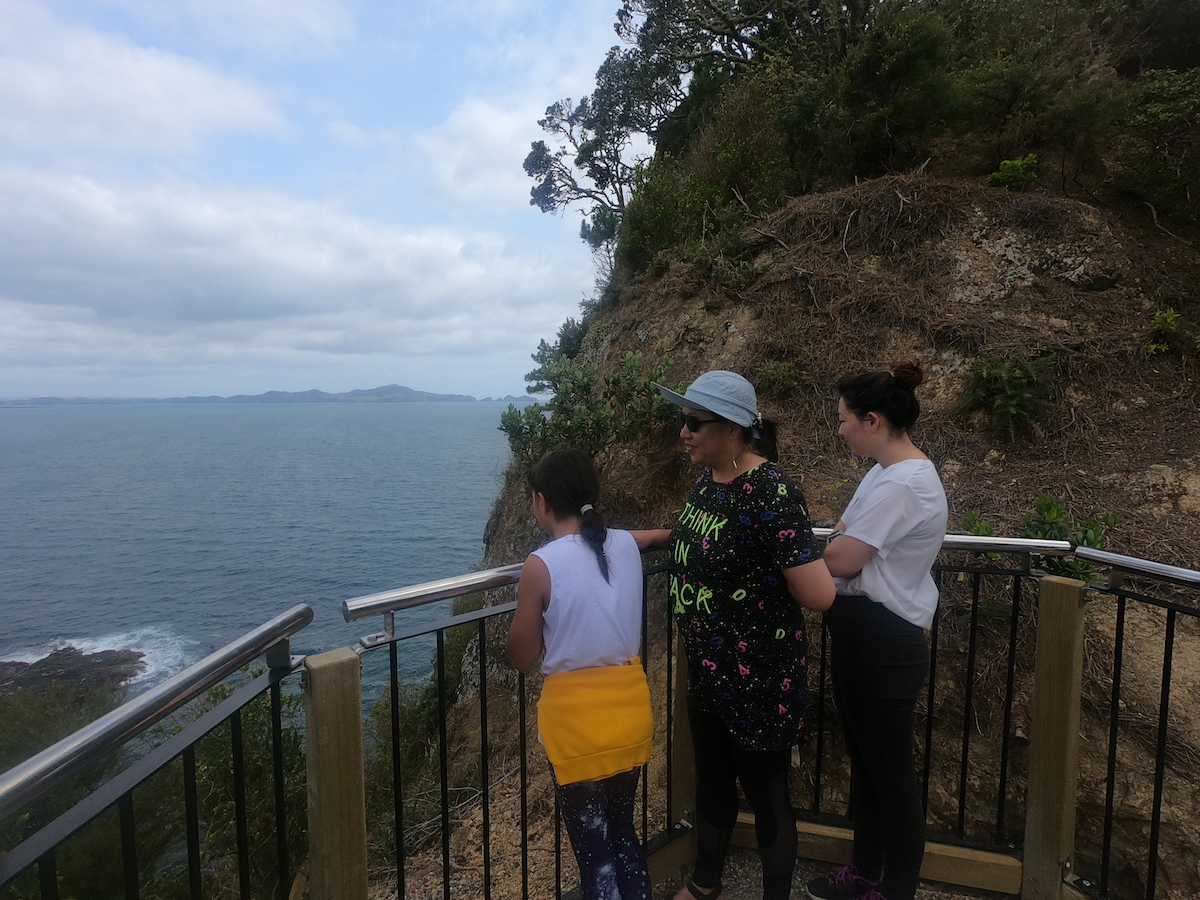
89,863
974,523
896,90
586,412
35,716
1049,521
746,104
1015,174
777,379
1015,393
1172,331
1164,124
738,166
567,343
734,33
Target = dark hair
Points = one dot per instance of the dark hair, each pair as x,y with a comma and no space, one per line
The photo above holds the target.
568,481
890,393
766,444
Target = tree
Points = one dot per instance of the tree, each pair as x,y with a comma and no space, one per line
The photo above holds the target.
739,32
566,346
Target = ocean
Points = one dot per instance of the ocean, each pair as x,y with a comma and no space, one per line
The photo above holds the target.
173,529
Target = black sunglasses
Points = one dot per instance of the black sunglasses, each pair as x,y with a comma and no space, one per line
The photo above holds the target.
692,424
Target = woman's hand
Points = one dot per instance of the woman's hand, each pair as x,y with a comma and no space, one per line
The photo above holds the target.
652,539
811,585
524,642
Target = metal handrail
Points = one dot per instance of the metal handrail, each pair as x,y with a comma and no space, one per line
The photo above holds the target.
32,779
1176,574
419,594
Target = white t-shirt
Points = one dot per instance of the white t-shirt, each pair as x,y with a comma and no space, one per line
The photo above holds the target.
591,622
901,511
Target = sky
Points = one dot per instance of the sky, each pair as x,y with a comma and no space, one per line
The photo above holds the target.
224,197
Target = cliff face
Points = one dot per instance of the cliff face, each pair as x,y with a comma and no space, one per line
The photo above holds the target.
949,273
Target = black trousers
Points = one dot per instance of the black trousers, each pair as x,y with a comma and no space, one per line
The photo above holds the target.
720,765
879,664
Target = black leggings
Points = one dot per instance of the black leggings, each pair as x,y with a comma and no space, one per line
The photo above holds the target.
879,664
599,820
720,764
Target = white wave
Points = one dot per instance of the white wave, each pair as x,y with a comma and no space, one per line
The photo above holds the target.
164,652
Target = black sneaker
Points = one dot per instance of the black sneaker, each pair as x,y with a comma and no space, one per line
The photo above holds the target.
843,883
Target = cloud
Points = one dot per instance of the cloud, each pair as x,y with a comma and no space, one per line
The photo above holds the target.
67,88
100,276
476,154
278,28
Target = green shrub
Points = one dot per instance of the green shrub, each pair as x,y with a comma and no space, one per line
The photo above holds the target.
1163,125
777,379
1170,330
1015,174
585,414
1049,521
1016,394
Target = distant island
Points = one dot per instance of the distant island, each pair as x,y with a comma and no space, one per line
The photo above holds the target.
389,393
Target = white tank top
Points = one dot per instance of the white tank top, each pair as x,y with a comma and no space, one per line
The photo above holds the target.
591,622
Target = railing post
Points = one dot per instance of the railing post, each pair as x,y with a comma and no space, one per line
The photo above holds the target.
337,826
677,856
1054,739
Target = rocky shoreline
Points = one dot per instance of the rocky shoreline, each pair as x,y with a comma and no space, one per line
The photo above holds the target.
110,668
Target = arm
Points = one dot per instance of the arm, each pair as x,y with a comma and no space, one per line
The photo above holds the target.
653,539
845,556
810,585
524,642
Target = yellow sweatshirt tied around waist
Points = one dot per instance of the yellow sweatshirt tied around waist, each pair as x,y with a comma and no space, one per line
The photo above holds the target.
596,722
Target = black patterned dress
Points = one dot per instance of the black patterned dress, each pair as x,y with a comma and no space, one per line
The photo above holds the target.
742,631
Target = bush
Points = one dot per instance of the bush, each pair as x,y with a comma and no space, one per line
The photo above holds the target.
1016,394
1049,521
585,415
1015,174
777,379
1163,124
1171,331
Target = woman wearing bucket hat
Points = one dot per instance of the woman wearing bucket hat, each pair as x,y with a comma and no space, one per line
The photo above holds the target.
743,561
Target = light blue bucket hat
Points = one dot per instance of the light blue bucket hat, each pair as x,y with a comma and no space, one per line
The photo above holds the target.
727,394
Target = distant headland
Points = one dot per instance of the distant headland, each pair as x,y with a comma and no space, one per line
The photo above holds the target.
389,393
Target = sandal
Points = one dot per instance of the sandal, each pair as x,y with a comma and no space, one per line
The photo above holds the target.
697,893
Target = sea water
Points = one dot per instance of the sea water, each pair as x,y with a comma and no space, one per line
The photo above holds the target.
173,529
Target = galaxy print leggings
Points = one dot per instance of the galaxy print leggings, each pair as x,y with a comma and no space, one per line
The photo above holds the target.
599,820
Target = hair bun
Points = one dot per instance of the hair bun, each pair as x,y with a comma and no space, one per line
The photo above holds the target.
909,374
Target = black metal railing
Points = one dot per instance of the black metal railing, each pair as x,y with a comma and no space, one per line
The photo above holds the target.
970,723
1142,616
425,853
465,803
83,833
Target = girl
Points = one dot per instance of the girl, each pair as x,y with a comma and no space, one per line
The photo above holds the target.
580,598
880,554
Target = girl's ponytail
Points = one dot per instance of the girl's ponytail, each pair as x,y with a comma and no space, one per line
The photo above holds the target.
593,530
568,481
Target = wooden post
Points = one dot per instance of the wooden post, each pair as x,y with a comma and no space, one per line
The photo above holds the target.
1054,739
337,817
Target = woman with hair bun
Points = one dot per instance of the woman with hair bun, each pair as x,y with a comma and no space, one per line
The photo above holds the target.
580,599
880,555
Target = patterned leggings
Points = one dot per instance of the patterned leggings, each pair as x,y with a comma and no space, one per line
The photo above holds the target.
599,820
